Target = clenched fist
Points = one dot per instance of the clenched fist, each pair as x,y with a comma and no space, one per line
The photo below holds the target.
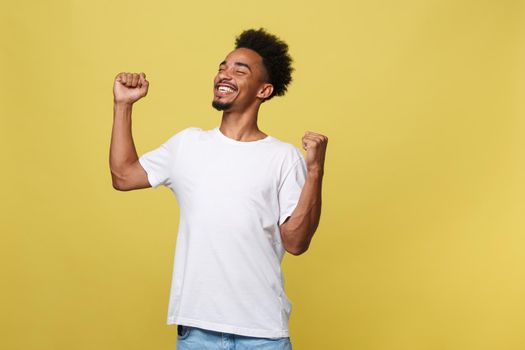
129,87
315,146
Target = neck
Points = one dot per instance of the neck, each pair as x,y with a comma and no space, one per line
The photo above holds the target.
241,126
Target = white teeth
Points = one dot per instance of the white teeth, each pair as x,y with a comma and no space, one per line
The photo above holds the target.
225,89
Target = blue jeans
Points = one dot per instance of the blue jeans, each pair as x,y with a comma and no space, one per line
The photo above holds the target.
193,338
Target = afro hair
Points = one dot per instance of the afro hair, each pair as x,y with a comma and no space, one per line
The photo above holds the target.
274,53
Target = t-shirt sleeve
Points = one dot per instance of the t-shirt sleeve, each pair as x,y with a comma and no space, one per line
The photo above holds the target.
158,162
290,189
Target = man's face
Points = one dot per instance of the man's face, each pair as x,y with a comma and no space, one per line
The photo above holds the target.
240,81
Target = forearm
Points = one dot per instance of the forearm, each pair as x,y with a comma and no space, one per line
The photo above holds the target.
298,231
122,149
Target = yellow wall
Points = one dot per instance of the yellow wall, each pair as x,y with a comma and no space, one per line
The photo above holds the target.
421,241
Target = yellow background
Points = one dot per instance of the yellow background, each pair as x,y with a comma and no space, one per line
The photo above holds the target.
421,243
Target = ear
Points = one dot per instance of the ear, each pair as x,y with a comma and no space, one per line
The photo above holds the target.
265,91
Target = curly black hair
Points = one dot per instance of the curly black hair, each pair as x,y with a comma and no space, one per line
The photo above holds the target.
274,52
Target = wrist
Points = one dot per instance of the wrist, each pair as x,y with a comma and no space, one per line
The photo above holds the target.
315,172
122,103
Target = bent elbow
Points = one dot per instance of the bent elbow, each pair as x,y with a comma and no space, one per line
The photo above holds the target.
297,250
117,182
117,186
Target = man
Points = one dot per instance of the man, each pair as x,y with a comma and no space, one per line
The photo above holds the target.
245,198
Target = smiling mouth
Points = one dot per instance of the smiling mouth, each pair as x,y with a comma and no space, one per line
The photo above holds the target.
224,90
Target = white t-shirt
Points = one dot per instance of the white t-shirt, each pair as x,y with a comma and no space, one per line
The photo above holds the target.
232,196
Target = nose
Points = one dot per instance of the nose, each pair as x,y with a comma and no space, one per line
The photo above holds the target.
224,74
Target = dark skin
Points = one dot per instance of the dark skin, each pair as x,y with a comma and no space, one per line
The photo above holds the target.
240,87
244,72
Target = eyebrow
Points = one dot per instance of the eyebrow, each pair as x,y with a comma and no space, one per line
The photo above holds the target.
238,64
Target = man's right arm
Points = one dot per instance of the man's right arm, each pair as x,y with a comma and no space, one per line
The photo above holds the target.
126,171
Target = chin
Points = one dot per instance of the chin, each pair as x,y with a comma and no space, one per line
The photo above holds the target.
220,106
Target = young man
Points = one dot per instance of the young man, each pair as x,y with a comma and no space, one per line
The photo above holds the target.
245,198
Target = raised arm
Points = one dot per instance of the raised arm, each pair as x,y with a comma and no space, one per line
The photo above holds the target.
126,172
297,231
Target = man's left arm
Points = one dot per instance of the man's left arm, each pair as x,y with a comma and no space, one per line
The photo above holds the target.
297,231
